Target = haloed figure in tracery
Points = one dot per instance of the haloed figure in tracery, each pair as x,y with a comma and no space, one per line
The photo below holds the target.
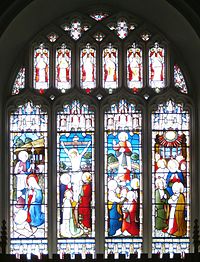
41,61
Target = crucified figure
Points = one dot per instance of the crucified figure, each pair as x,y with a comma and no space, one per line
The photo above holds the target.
75,159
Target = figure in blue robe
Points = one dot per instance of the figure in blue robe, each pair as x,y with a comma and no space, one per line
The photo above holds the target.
115,218
35,217
174,175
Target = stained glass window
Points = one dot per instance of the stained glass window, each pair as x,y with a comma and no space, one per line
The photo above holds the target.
145,36
110,67
52,37
99,16
171,178
123,179
88,67
99,36
76,28
134,67
122,27
75,184
100,78
19,81
28,180
41,67
179,79
63,67
156,66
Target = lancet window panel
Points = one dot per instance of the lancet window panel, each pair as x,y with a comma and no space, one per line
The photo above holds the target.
157,66
110,67
28,179
171,178
75,179
88,67
134,67
123,179
63,70
41,67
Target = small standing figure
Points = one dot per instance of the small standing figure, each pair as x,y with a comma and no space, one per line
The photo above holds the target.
161,197
174,175
87,68
69,227
123,152
114,209
21,170
130,224
156,63
110,67
41,67
63,66
34,197
85,202
162,170
134,67
177,223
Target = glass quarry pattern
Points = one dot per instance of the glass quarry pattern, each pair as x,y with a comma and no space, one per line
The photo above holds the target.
101,59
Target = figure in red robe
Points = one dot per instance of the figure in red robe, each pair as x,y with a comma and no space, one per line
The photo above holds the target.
84,209
130,223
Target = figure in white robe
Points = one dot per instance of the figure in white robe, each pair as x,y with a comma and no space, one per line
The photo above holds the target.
75,159
123,152
69,227
177,223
